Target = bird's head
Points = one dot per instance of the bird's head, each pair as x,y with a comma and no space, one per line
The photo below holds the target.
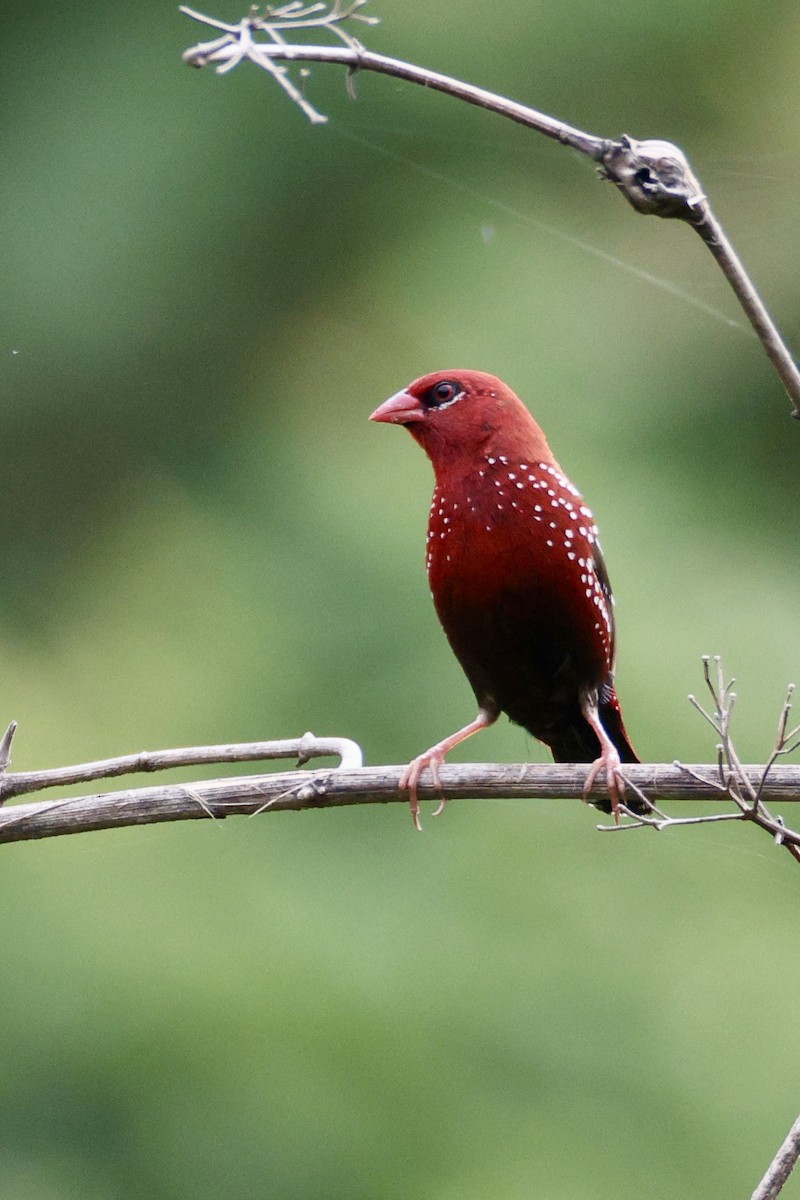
458,416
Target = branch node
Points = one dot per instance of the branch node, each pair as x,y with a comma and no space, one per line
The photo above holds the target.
655,178
5,747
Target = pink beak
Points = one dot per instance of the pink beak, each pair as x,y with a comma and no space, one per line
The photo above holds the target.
399,409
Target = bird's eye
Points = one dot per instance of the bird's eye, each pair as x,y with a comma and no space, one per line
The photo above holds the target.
442,392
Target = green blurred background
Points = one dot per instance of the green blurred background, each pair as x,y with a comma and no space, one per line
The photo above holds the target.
205,540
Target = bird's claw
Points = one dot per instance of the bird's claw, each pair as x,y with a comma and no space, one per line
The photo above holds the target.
409,781
609,761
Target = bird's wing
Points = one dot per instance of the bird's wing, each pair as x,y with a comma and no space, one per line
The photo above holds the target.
601,573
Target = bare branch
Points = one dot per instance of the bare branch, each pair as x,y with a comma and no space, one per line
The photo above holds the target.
303,749
344,786
350,783
781,1166
225,49
653,175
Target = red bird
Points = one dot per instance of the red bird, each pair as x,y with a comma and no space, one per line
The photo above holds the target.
517,577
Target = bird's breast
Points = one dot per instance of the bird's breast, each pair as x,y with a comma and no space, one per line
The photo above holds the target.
513,557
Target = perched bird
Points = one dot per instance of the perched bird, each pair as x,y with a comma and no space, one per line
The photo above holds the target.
517,577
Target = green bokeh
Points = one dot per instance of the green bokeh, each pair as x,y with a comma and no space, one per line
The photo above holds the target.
204,540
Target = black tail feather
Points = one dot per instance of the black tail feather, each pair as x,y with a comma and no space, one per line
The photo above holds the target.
574,740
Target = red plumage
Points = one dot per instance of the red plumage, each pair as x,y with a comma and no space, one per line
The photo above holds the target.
517,576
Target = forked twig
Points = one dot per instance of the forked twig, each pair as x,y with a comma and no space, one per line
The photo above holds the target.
734,780
238,43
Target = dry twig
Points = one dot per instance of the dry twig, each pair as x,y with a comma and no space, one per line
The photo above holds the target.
781,1166
733,781
20,783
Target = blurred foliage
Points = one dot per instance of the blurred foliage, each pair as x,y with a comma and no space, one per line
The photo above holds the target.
203,539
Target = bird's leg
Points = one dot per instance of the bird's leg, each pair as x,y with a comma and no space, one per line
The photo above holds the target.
608,761
434,758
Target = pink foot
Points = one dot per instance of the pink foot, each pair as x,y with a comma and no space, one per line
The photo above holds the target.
434,758
409,780
608,762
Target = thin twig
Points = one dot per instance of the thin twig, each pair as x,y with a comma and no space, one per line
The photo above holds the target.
781,1166
303,749
669,822
731,265
654,175
735,780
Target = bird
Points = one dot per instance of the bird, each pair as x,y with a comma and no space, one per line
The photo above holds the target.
517,578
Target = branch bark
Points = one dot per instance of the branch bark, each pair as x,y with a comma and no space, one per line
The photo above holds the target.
19,783
781,1166
294,791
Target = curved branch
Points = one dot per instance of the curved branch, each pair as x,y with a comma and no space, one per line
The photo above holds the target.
731,266
341,787
653,175
227,50
19,783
